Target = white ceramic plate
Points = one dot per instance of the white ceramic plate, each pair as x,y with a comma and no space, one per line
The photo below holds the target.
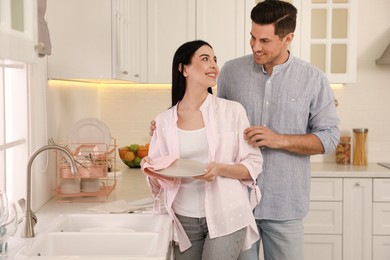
89,131
183,168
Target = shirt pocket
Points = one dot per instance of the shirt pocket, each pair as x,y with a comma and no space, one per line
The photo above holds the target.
227,147
292,114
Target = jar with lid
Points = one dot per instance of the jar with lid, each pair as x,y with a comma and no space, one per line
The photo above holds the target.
360,146
343,150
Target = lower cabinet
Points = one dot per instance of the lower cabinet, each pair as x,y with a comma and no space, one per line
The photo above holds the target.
323,225
349,219
381,219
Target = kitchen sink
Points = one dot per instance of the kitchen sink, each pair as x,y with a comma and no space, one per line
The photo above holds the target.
109,222
102,236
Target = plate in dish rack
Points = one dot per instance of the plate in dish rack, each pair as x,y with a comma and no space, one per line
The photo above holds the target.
89,131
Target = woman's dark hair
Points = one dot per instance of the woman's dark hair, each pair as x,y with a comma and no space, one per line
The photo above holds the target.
282,14
183,56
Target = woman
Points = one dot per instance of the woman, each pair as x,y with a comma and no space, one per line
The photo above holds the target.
212,213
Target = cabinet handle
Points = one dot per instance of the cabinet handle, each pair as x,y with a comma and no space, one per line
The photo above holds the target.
357,184
125,72
136,75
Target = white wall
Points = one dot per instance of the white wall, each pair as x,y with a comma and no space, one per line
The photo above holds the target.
367,102
127,110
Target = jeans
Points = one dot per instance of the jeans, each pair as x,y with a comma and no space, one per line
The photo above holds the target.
282,240
203,247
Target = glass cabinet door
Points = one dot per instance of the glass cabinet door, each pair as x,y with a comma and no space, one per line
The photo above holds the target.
18,29
328,39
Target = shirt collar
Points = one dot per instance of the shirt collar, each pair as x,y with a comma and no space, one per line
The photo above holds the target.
276,67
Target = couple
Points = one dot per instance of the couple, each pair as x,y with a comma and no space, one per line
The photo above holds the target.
291,116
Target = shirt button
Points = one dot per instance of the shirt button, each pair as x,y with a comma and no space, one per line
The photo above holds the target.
266,102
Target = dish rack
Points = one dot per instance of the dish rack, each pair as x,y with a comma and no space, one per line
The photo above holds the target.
92,163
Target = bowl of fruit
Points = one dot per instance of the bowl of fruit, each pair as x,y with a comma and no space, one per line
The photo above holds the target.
132,155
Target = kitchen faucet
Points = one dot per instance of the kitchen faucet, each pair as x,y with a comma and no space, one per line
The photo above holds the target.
31,219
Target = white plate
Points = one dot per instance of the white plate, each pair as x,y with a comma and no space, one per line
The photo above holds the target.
183,168
89,131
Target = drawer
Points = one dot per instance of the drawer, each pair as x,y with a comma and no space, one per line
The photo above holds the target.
326,189
381,218
323,247
382,190
324,218
381,247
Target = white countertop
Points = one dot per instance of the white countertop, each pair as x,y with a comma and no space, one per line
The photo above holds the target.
131,185
372,170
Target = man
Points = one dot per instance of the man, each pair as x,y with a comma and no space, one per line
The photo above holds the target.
292,113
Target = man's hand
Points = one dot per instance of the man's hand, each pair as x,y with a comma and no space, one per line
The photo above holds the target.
259,136
152,127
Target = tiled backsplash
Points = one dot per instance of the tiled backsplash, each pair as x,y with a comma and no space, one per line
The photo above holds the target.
128,110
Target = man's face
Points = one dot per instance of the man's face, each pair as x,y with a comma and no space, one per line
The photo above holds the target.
268,49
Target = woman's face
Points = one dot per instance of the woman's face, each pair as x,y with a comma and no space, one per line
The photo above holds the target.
203,69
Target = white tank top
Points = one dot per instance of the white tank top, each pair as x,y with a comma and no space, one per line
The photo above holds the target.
190,199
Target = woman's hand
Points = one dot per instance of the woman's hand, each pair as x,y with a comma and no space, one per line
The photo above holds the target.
210,173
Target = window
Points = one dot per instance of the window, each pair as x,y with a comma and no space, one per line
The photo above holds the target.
18,36
14,127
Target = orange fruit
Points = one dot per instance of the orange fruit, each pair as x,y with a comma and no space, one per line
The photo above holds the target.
129,156
142,151
123,151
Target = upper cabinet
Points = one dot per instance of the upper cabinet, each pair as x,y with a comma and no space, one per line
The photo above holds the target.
18,30
80,33
129,40
135,40
326,37
170,24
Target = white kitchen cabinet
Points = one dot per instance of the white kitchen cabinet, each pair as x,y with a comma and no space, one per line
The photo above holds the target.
135,40
129,40
224,30
326,37
18,30
381,219
170,24
357,213
349,218
81,40
323,226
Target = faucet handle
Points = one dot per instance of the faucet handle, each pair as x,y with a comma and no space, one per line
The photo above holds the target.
22,205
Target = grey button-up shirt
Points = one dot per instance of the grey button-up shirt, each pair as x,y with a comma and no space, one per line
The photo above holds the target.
296,99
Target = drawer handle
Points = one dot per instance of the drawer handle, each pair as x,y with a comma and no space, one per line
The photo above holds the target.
357,184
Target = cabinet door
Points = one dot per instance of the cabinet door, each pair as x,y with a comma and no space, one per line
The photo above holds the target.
166,32
224,29
324,218
129,43
357,232
323,247
381,247
18,30
80,33
328,37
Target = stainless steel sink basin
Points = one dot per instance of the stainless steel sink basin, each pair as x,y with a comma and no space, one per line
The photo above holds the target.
102,236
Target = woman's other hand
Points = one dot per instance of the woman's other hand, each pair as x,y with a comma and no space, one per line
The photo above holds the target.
210,173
